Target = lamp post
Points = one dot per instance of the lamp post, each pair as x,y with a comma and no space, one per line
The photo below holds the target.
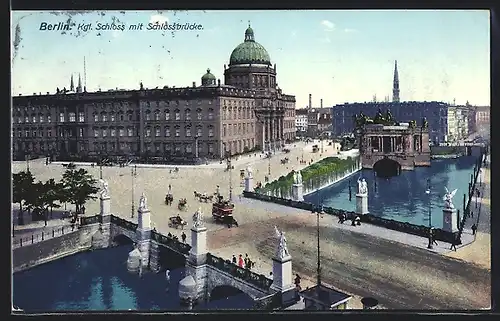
27,158
133,172
428,192
321,138
269,167
229,167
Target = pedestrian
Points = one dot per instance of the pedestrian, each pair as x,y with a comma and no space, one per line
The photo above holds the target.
240,261
358,221
247,259
183,236
353,223
341,218
234,259
474,229
454,243
83,209
297,281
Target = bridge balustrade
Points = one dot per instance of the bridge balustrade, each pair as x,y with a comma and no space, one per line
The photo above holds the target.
171,243
123,223
258,280
86,220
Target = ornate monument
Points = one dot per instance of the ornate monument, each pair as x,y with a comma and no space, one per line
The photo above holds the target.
249,180
143,202
282,268
197,254
198,219
297,187
105,199
143,230
362,197
450,213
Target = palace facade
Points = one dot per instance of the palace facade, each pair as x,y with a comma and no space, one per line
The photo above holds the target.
248,112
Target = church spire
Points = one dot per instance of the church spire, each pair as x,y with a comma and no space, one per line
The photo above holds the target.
79,88
72,84
395,84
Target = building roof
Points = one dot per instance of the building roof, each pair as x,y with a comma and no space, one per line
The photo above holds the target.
208,76
327,296
249,52
300,111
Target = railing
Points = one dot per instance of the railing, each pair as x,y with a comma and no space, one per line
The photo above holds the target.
42,236
420,230
246,275
87,220
171,243
123,223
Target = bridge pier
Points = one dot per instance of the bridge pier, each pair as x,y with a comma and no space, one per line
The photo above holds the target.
362,203
143,232
154,256
102,238
283,278
196,261
298,192
450,220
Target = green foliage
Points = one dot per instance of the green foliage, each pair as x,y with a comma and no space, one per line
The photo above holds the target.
317,172
78,186
22,186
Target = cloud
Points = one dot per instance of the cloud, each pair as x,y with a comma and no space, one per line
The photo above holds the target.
158,18
329,26
293,34
348,30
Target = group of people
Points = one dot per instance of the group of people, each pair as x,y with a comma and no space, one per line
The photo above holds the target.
175,238
244,263
356,220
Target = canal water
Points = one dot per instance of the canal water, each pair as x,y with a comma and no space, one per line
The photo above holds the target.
403,198
99,280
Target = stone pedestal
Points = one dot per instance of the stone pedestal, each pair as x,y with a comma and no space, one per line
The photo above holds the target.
282,274
298,192
154,257
450,220
362,204
198,252
143,233
105,205
248,184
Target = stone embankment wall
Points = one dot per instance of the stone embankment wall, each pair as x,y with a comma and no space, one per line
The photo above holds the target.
27,257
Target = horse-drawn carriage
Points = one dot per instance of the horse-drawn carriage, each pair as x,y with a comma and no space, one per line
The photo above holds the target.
203,197
285,160
176,221
182,206
222,212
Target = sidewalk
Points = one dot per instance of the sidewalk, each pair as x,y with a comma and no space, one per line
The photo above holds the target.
377,231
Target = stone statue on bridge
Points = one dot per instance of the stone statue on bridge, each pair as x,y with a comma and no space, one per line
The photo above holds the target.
362,187
448,198
198,219
104,188
249,172
297,178
282,247
143,202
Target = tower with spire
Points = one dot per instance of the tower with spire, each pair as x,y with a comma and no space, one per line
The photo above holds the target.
79,87
395,84
72,84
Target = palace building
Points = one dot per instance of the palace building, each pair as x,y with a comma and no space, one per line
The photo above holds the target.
248,112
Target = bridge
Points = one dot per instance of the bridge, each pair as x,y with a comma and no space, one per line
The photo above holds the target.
389,149
158,251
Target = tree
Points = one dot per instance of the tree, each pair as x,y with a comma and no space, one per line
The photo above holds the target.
22,185
52,194
36,200
79,185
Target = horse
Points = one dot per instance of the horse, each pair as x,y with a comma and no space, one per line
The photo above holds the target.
169,199
205,198
182,204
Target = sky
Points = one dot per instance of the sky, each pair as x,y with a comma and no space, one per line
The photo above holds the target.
337,56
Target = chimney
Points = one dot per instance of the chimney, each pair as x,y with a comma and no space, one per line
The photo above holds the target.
321,103
194,84
218,82
310,101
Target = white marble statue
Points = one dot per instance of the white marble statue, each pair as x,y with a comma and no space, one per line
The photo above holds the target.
295,178
143,202
448,198
299,177
198,218
362,186
104,188
282,248
249,172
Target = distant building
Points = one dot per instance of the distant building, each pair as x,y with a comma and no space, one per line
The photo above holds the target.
480,118
248,112
315,127
458,128
435,112
301,121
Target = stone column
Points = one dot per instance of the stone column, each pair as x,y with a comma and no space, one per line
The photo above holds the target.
362,203
268,138
102,238
380,146
143,231
282,273
298,192
450,220
196,262
263,146
249,180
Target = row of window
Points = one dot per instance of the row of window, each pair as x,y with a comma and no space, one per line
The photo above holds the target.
188,132
237,129
237,113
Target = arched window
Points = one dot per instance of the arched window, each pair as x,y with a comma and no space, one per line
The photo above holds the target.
187,114
157,115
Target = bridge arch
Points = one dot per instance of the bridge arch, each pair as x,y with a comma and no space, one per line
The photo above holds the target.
387,167
122,239
226,291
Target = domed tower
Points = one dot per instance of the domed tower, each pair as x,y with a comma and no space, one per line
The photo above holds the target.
250,66
208,79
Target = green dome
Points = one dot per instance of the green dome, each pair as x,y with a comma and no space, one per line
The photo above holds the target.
208,76
249,52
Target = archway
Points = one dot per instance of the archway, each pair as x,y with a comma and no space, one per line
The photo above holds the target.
169,259
122,239
387,167
226,296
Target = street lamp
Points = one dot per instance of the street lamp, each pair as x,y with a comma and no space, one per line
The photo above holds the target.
269,166
428,192
27,158
133,172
